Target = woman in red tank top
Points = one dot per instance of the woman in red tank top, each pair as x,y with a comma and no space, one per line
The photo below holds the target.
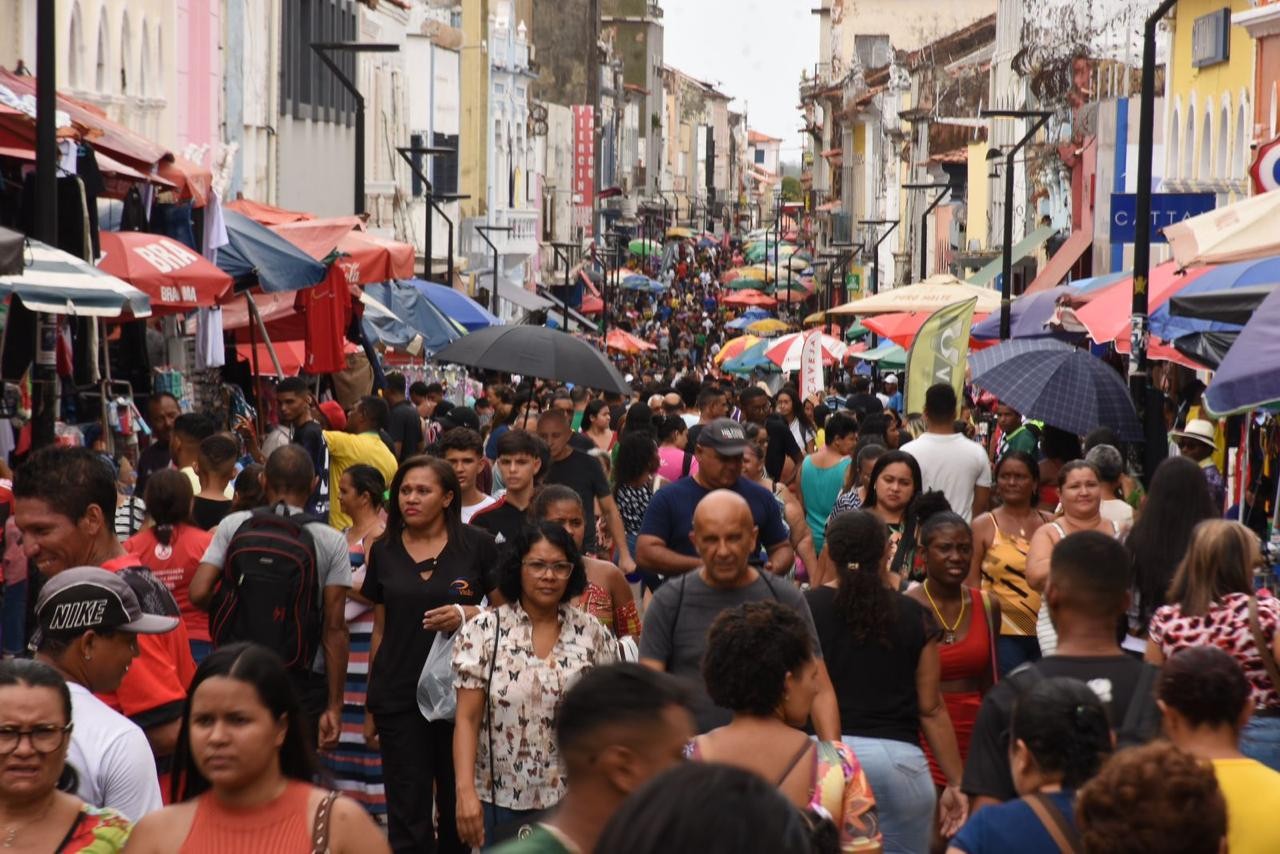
966,616
243,768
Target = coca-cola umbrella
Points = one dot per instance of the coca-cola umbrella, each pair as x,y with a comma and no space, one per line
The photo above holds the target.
536,351
175,277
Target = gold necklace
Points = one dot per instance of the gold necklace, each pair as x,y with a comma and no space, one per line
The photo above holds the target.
11,831
948,632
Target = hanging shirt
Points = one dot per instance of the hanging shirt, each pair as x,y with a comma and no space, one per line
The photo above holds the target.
327,309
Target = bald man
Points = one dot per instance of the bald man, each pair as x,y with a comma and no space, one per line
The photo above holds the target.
676,622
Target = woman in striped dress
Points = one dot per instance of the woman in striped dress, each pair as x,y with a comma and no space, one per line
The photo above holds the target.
357,768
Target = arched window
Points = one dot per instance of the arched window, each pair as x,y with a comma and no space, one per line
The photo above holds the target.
144,61
1238,150
1205,166
1189,145
1224,135
102,74
1175,142
126,56
75,49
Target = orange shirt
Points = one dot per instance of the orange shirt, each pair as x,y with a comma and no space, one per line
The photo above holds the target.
175,565
282,826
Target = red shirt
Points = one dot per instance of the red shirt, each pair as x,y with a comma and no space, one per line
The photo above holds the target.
175,565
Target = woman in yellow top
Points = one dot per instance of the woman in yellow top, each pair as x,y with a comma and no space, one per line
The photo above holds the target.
1001,541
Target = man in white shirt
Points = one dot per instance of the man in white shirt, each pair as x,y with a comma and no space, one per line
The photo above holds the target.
949,461
89,619
463,449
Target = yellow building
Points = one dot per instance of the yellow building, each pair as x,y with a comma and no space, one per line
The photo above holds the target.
474,101
1209,119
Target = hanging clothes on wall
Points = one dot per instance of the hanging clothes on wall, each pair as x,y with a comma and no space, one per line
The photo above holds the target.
327,310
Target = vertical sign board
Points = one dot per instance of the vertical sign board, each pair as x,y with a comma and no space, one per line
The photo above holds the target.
584,188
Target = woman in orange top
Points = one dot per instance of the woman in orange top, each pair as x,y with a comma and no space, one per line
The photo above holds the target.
172,549
243,771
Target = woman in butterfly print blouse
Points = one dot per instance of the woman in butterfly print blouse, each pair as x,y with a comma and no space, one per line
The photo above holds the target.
542,643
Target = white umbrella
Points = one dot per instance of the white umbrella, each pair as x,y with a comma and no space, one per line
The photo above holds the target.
928,296
57,282
785,351
1243,231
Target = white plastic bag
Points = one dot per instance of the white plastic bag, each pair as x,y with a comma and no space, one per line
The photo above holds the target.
437,697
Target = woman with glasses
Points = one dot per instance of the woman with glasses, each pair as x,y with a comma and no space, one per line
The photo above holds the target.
426,574
513,663
37,811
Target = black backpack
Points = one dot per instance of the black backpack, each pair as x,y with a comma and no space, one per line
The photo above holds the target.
269,590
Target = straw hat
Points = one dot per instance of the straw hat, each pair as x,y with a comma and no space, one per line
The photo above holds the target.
1199,430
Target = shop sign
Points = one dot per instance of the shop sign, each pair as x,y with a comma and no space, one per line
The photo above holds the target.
1166,209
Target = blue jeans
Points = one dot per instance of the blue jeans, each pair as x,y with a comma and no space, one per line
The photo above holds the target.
1013,651
904,791
1260,740
495,817
13,618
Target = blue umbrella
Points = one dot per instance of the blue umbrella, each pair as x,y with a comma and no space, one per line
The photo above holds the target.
414,316
1249,375
636,282
1251,275
1063,387
456,305
257,255
750,359
1029,313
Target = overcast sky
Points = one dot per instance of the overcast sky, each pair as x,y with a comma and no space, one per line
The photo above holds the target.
753,50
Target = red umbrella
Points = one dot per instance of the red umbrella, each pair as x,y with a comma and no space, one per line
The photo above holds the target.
1107,313
623,341
175,277
901,327
750,297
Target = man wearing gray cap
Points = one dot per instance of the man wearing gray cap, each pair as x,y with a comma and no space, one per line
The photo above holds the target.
89,620
664,545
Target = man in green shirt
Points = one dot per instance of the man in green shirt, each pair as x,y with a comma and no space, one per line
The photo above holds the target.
620,726
1014,434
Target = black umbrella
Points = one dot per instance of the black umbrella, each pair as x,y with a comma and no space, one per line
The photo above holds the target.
1236,305
536,351
1207,348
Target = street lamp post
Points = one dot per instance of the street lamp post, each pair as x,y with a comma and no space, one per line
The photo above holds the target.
1006,284
408,153
436,198
875,266
323,50
563,252
845,249
944,189
484,231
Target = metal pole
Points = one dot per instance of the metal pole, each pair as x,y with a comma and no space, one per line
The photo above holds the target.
450,222
321,49
1138,379
1006,283
44,390
427,248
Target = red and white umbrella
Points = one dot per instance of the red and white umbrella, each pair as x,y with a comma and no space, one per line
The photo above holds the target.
785,351
175,277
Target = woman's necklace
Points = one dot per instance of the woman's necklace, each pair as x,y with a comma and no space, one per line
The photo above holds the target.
1020,522
948,632
11,831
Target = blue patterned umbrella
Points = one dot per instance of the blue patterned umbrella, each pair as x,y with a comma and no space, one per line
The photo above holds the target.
1063,387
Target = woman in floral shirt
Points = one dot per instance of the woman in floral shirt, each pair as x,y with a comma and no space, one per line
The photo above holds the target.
513,663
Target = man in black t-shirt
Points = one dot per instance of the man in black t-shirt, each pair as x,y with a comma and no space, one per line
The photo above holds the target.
404,425
584,475
1087,594
519,462
293,400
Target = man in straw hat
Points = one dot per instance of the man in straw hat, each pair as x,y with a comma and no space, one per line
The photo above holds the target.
1197,443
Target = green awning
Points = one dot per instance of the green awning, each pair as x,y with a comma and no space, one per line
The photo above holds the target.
1024,247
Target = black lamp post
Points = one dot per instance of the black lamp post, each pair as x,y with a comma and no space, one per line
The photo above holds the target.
410,153
564,252
943,189
484,231
323,49
435,200
1006,284
845,251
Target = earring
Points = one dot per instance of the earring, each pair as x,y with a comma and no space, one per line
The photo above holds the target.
88,657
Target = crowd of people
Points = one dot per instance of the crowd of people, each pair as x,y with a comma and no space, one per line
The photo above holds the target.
707,617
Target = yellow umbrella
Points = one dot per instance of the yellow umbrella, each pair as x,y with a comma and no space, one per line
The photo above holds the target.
679,233
769,326
735,347
816,317
757,273
928,296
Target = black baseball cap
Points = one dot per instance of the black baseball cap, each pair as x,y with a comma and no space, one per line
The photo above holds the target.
88,597
724,436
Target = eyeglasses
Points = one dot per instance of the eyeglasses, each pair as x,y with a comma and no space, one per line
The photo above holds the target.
559,569
44,739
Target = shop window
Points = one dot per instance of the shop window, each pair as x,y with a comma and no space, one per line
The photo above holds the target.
308,88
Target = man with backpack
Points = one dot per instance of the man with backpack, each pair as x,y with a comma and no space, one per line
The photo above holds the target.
1088,592
279,577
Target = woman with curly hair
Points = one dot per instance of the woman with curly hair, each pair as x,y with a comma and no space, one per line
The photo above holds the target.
1059,737
1153,798
760,664
881,650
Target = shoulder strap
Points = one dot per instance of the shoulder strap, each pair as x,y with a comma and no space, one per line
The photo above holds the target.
795,760
320,828
1260,641
1057,526
993,630
1055,823
767,583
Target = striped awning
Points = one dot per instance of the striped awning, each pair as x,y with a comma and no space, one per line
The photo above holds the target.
56,282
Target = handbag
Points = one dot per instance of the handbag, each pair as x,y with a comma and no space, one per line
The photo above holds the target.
437,696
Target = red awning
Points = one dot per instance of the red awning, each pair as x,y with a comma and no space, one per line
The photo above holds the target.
368,259
264,214
176,278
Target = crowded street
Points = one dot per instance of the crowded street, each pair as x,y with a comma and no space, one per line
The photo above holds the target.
639,426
